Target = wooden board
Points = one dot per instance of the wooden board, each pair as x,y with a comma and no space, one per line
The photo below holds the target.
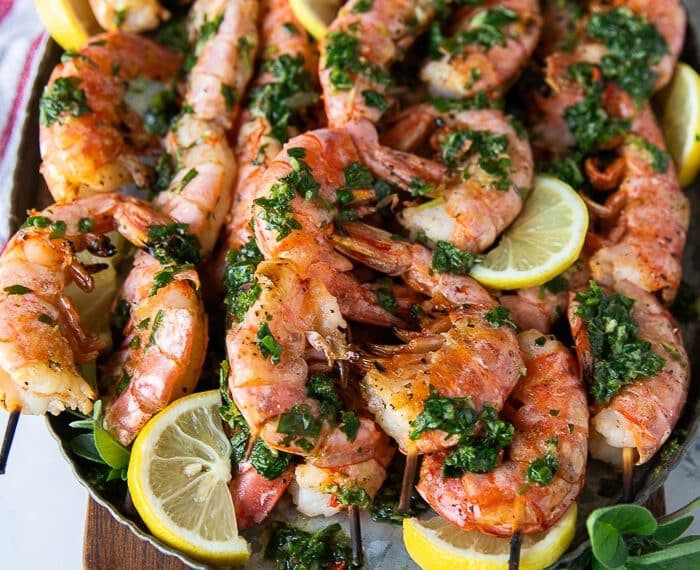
110,545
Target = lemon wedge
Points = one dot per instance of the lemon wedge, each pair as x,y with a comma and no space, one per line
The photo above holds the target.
679,104
542,242
437,544
178,478
315,15
69,22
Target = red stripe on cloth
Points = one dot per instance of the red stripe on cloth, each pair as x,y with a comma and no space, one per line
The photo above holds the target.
5,7
19,97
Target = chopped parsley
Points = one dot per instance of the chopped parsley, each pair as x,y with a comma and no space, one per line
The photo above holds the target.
634,47
343,58
350,495
207,31
295,549
277,210
172,243
188,177
500,316
157,323
362,6
301,427
160,111
485,30
242,289
477,101
357,176
270,463
448,258
658,159
418,187
267,344
86,225
481,434
173,34
62,96
619,356
17,290
491,149
385,296
374,99
283,102
543,469
58,228
349,424
566,168
590,124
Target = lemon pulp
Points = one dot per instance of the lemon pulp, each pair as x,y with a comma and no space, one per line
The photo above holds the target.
178,478
437,544
542,242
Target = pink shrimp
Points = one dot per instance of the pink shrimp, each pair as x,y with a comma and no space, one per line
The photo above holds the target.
293,327
92,139
642,414
316,164
288,70
356,54
461,353
42,340
472,62
490,172
648,216
549,413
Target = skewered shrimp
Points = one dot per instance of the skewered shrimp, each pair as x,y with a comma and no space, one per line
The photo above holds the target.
356,54
295,326
278,103
162,355
489,44
200,192
254,496
460,354
549,412
316,165
649,216
641,414
223,32
129,15
492,171
42,339
92,136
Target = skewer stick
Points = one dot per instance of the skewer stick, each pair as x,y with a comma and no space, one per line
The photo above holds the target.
409,475
355,535
7,439
627,473
516,541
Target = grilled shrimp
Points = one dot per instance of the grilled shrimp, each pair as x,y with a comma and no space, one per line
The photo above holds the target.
200,192
460,353
648,216
254,496
278,104
491,170
549,413
489,45
293,328
161,357
316,165
42,339
225,58
356,54
92,135
129,15
642,413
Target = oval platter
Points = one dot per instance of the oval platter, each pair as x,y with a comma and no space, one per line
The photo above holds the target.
383,543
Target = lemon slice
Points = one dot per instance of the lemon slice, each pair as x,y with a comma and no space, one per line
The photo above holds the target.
679,104
70,22
543,241
437,544
178,479
315,15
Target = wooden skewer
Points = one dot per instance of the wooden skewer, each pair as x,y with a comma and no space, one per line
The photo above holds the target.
409,475
355,535
627,473
7,439
516,541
